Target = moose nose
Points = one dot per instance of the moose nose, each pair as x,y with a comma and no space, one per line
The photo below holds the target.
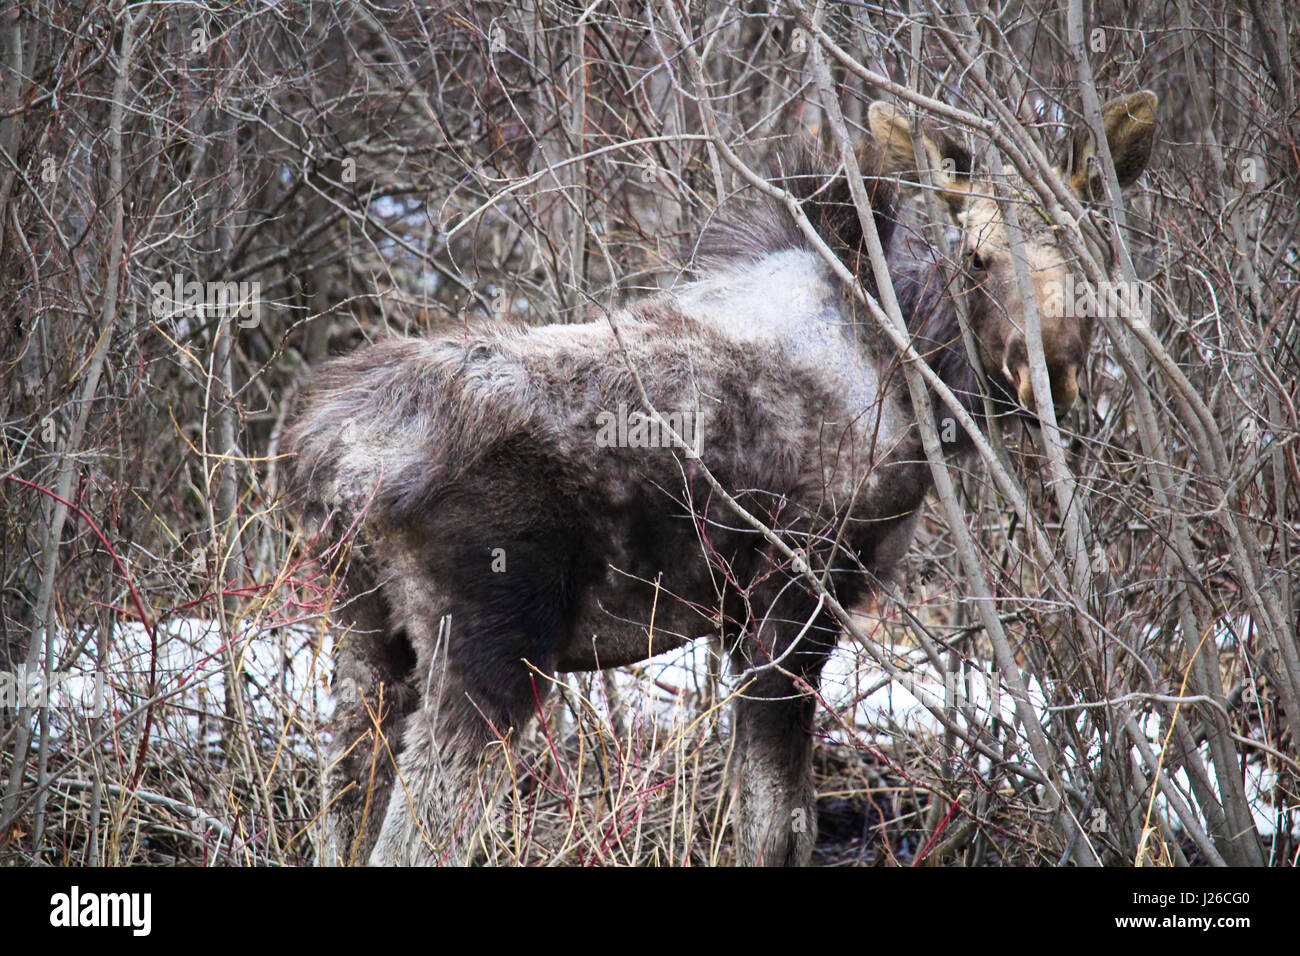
1062,373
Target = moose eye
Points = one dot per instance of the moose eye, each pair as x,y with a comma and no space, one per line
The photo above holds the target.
976,262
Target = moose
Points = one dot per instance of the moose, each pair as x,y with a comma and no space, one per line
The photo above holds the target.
493,541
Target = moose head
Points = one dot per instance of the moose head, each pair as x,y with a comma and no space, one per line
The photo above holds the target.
988,273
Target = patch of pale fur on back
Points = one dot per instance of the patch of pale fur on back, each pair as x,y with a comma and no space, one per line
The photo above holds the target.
793,298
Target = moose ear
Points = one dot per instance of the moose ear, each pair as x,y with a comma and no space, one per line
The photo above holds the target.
893,134
1130,124
950,161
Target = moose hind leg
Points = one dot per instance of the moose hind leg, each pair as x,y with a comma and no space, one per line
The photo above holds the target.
372,665
476,685
772,756
491,596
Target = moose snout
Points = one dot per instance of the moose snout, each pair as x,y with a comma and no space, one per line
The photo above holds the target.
1062,372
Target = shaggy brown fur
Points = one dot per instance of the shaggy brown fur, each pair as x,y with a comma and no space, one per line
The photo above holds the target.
496,538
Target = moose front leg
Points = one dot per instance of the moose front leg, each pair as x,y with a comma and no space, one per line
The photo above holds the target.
771,767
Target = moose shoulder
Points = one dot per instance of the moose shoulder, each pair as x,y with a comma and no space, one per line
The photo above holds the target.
512,507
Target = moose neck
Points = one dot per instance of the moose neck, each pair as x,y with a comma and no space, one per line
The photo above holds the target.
922,286
761,233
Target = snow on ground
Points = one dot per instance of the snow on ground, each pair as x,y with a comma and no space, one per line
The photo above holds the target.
284,672
287,672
